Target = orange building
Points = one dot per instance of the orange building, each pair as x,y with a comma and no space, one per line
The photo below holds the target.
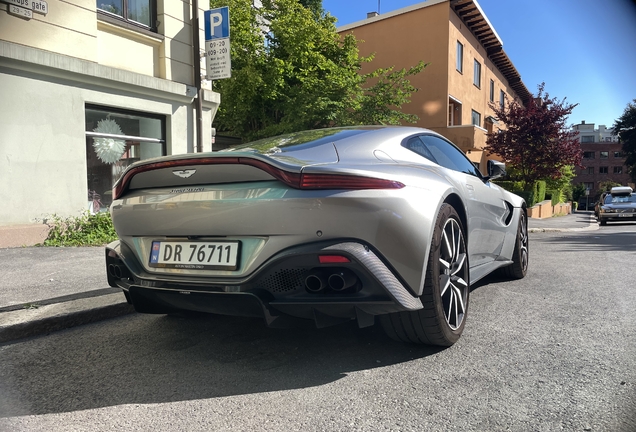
468,68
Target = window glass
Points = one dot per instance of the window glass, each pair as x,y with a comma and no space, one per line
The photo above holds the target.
114,140
604,155
460,57
588,155
587,139
492,91
477,74
590,170
417,145
602,170
136,11
476,118
502,98
618,170
448,156
618,154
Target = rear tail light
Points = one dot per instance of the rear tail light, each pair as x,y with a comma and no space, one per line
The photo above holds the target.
295,180
331,259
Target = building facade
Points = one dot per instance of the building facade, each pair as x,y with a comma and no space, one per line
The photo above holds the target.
87,89
467,67
603,159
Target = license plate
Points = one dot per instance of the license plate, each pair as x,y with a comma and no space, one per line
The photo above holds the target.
195,255
625,214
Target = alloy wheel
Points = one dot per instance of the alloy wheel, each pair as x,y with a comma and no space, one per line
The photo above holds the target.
454,273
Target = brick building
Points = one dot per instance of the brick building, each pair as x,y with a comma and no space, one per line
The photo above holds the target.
603,159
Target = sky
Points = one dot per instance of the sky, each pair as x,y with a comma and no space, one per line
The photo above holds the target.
584,50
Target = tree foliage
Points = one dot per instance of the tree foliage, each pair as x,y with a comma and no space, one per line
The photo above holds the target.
625,128
291,71
536,143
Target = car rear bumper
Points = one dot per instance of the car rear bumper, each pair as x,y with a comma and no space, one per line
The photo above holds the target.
291,283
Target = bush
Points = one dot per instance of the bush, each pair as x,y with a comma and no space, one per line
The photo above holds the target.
554,195
511,186
539,191
85,230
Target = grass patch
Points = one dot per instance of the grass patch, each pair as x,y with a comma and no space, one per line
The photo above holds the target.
85,230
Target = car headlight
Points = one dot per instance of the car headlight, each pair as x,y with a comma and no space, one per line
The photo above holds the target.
607,210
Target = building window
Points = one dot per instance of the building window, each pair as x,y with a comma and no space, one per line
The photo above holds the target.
588,155
460,57
502,99
138,12
608,139
618,170
602,170
114,140
604,155
587,139
589,170
477,74
492,91
618,154
589,185
476,118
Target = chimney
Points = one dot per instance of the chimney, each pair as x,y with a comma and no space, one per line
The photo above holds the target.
372,14
582,121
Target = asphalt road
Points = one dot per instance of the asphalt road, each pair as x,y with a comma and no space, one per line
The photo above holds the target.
554,351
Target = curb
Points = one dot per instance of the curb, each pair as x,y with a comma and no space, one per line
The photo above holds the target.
593,226
25,323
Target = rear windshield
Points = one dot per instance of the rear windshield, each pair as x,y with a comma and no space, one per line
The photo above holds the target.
617,199
299,140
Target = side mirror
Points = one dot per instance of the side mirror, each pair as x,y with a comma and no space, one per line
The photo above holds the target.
496,169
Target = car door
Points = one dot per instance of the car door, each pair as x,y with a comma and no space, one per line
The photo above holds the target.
485,206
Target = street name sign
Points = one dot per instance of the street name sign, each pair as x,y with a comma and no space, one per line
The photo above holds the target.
39,6
217,43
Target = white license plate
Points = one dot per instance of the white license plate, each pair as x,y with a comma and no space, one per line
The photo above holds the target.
625,214
195,255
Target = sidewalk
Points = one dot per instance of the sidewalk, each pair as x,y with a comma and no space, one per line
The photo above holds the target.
44,289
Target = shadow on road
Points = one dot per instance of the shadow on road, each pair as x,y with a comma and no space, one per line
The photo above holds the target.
593,241
144,359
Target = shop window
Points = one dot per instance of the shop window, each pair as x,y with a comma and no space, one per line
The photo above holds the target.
136,12
114,140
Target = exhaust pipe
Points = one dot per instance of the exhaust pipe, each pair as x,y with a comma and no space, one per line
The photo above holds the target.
342,280
315,282
118,271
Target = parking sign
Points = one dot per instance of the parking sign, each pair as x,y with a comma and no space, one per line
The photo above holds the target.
217,43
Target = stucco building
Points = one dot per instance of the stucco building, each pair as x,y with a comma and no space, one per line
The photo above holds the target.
603,158
86,89
468,68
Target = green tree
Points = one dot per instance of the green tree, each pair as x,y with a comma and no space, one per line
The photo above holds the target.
536,142
625,128
291,71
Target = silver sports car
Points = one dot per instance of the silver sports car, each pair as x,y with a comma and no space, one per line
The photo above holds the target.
327,225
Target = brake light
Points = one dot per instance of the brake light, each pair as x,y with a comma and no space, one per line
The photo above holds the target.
295,180
335,181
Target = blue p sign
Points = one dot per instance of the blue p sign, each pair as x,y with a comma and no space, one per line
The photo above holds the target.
217,23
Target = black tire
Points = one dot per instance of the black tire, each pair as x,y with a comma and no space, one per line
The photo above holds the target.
520,257
602,222
446,289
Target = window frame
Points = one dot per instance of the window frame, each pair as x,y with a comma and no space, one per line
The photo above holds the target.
603,154
472,118
477,74
587,153
492,91
459,60
502,99
618,169
603,170
124,21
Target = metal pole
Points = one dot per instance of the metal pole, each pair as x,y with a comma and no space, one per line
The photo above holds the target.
196,66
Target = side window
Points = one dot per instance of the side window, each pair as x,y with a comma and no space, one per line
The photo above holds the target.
416,145
449,156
